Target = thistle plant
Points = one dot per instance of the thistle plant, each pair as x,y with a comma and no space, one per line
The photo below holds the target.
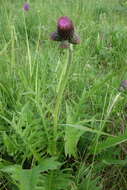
65,33
26,7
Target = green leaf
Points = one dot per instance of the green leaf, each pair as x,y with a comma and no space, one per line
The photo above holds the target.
73,132
28,178
109,142
86,129
115,162
89,184
72,136
9,144
56,180
48,164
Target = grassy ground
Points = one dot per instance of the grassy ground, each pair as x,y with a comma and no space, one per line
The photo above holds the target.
83,146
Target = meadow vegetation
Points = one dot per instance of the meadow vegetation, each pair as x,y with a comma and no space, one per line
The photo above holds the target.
89,149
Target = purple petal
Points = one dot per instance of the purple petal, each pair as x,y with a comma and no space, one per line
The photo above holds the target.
65,28
26,7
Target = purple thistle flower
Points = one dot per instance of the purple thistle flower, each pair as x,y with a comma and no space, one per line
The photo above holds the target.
65,28
65,32
26,7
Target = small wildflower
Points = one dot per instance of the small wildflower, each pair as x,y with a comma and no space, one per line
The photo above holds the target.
65,32
26,7
123,85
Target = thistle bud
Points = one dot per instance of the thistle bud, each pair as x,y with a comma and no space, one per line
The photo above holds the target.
26,7
65,32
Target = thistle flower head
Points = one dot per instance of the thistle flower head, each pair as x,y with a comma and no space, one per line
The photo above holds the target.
65,32
65,28
26,7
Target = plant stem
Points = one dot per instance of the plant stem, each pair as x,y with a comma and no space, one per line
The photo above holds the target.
60,91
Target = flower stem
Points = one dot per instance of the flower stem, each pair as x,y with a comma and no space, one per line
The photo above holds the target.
60,91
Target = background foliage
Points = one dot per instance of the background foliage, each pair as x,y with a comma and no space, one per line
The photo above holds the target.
91,137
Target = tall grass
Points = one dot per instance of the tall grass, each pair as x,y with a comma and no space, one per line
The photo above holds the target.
86,119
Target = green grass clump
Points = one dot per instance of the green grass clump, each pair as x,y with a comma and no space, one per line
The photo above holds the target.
72,137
